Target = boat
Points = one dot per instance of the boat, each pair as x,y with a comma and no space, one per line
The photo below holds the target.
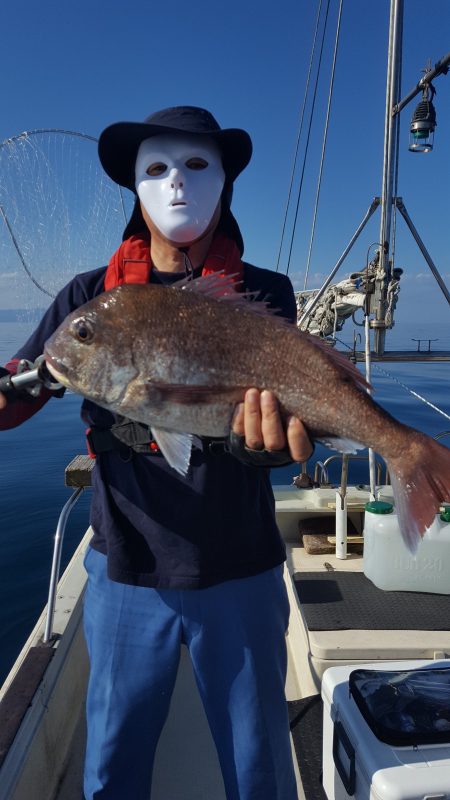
339,617
42,700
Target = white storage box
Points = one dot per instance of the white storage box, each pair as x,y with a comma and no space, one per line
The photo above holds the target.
358,764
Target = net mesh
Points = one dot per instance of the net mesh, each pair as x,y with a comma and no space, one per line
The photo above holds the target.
60,214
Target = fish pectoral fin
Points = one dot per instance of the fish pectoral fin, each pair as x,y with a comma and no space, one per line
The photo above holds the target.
341,445
196,394
175,447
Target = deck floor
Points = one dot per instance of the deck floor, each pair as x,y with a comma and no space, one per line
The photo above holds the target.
185,749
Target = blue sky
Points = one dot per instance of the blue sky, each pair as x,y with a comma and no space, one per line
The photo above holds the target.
84,65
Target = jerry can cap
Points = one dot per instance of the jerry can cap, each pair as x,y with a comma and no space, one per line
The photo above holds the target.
379,507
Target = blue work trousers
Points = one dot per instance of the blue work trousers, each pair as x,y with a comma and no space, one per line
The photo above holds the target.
235,633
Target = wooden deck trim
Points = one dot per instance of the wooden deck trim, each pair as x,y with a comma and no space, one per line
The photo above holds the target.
19,696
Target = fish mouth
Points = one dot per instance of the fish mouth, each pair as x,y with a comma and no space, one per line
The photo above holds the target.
57,368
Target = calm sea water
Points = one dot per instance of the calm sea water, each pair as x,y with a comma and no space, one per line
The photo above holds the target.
33,458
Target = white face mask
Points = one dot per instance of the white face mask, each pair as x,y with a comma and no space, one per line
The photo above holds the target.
179,180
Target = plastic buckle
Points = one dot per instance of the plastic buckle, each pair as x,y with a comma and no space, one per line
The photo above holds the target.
217,447
90,444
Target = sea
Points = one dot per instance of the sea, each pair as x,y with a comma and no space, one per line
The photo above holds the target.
33,458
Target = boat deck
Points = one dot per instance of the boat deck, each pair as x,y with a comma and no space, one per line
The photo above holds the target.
375,637
317,650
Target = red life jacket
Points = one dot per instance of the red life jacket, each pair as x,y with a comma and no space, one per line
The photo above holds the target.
131,263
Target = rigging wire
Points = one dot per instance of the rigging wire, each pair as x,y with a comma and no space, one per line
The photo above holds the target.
300,128
411,391
403,385
308,137
324,144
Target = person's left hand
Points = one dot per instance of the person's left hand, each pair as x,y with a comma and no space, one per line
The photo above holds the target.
258,419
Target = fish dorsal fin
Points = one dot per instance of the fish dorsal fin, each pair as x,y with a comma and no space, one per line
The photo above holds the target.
222,287
217,285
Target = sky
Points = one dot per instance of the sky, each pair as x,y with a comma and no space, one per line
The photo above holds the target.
82,66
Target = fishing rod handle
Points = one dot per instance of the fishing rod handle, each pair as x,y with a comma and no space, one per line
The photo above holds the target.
26,382
29,379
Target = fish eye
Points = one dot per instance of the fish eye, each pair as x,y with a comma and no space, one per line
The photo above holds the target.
196,163
83,330
156,169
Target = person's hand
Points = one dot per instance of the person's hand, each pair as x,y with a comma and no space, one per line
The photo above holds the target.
258,419
3,401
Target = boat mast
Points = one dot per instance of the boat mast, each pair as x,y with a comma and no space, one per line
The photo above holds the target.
379,297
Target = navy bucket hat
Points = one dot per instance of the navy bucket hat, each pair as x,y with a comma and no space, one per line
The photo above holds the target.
119,143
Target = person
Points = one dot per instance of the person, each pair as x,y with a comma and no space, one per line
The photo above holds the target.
195,559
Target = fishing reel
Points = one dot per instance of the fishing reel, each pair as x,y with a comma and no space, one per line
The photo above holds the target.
30,378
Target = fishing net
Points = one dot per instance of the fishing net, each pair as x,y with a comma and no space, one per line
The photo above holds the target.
59,214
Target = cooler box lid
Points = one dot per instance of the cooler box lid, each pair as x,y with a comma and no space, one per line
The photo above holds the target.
404,708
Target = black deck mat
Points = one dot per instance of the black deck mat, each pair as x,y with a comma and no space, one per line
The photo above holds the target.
335,600
306,721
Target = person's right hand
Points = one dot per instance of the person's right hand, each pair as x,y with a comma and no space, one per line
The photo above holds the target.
3,401
258,419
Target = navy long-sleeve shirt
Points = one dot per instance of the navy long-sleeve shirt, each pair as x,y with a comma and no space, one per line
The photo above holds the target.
158,528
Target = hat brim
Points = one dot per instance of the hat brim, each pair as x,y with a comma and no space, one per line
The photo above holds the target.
119,143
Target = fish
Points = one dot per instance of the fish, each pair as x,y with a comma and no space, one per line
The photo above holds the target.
180,358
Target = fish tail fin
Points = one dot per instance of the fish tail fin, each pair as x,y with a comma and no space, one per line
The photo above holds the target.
420,478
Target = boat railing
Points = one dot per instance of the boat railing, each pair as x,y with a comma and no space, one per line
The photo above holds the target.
77,475
321,472
324,478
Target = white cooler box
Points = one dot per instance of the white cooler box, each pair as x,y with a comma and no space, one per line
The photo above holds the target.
409,758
